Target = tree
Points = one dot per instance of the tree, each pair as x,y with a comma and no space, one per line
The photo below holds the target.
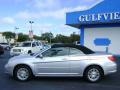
61,39
66,39
47,36
22,37
37,37
74,37
9,36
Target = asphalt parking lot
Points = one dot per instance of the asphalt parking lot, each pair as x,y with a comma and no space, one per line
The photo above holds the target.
111,82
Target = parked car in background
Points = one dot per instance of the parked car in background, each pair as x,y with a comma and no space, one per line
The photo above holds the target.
45,46
62,60
6,46
39,44
76,42
1,50
27,47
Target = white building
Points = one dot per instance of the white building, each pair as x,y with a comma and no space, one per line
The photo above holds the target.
99,26
4,40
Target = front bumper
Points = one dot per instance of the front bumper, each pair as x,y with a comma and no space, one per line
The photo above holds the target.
8,69
14,54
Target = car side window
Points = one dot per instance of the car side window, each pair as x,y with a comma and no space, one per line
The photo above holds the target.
75,51
62,51
47,53
37,43
56,52
33,44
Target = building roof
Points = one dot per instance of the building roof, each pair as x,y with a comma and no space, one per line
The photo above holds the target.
106,6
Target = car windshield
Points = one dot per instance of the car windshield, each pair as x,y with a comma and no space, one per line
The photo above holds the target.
27,44
40,52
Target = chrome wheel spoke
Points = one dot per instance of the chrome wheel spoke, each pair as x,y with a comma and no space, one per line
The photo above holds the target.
22,74
93,74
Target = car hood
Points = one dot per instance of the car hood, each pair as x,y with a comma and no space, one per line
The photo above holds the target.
20,47
21,57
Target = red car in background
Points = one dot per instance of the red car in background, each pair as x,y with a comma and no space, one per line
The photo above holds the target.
1,50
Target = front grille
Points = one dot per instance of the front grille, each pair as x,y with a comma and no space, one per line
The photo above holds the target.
16,50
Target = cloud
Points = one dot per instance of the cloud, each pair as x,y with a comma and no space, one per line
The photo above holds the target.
58,12
55,29
47,27
47,4
7,20
23,15
49,10
59,4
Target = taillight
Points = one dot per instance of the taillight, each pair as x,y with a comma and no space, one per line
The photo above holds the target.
112,58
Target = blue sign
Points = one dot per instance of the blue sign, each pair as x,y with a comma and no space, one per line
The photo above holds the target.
98,14
102,42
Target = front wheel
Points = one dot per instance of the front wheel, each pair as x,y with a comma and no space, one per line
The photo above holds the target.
93,74
22,73
29,52
7,48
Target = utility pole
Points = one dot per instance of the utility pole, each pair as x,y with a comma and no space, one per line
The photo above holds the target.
31,30
16,35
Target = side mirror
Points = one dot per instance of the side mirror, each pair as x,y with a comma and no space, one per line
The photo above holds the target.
33,45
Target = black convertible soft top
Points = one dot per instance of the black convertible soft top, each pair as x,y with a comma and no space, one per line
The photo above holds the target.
84,49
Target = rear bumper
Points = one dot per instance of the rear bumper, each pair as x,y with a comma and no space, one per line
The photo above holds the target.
109,69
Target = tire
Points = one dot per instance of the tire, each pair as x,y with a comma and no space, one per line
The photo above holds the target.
7,48
93,74
29,52
22,73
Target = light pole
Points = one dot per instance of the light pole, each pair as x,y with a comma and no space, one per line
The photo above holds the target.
31,31
16,35
50,37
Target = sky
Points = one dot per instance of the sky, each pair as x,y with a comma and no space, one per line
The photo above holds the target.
48,15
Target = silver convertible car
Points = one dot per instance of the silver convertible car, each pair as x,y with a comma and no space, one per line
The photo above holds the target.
62,60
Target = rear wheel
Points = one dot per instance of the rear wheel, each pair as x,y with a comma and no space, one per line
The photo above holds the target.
22,73
93,74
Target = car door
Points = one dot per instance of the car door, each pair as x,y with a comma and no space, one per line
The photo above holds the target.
35,48
54,62
38,46
76,58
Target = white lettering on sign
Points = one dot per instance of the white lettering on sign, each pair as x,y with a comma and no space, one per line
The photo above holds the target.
100,17
106,16
117,15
